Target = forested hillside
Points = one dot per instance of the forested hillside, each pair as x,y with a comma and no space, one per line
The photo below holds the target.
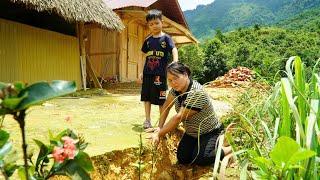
264,50
228,15
308,21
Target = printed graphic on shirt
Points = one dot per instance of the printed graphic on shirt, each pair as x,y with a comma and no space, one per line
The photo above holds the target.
163,44
157,50
162,95
153,59
157,80
153,62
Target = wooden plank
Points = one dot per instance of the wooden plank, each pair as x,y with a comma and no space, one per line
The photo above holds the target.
101,53
92,74
83,72
118,61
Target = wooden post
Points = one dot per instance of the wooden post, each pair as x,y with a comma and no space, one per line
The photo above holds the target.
118,55
82,55
93,75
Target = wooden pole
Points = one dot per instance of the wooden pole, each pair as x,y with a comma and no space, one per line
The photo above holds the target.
82,55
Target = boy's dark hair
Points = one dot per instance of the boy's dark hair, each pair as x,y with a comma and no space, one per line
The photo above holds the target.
153,14
178,68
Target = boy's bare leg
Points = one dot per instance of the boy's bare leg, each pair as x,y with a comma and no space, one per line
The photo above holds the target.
147,109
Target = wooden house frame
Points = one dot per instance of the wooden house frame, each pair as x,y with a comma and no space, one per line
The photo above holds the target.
117,55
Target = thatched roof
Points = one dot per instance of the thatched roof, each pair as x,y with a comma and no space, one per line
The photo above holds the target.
87,11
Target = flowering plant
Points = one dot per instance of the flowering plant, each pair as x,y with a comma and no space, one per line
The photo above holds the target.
63,156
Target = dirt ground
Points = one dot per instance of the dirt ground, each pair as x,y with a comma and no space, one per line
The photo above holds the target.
110,120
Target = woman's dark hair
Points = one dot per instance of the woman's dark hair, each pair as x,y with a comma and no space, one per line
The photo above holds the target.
178,68
153,14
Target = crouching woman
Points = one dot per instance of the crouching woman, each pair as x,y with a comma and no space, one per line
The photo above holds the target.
194,109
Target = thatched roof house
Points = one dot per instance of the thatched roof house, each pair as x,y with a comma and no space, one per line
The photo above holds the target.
42,39
87,11
117,55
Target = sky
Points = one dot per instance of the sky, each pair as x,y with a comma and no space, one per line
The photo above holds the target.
192,4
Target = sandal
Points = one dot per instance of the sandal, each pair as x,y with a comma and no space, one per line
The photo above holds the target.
147,124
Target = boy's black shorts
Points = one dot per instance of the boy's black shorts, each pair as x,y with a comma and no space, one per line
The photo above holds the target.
154,89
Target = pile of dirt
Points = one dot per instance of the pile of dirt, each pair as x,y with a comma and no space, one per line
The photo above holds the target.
234,77
154,163
160,164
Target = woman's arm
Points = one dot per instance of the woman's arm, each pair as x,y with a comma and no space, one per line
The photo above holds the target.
182,115
165,110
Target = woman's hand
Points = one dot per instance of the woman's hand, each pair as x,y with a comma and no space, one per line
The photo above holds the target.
154,136
152,130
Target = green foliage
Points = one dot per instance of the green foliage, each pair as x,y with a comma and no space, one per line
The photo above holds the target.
16,97
7,156
286,156
71,161
215,60
261,49
229,15
291,111
66,148
192,55
267,49
307,21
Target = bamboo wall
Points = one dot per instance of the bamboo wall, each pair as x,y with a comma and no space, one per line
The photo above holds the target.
30,54
117,54
102,50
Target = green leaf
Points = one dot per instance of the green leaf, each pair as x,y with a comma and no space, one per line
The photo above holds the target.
55,139
260,175
4,150
283,150
3,85
84,161
19,86
3,111
22,174
74,171
10,168
42,91
12,102
244,170
300,155
263,163
4,136
43,153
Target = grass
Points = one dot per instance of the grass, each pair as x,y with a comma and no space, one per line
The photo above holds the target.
290,109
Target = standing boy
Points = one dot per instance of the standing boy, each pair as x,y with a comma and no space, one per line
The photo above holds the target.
157,48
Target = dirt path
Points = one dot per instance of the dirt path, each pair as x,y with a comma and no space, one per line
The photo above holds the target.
107,121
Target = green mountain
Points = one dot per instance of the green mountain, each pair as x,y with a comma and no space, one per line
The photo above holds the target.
228,15
308,21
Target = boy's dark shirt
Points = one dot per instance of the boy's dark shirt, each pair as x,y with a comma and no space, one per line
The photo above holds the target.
157,50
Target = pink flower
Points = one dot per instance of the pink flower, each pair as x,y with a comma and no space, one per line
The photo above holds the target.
69,147
67,118
70,151
69,140
58,154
